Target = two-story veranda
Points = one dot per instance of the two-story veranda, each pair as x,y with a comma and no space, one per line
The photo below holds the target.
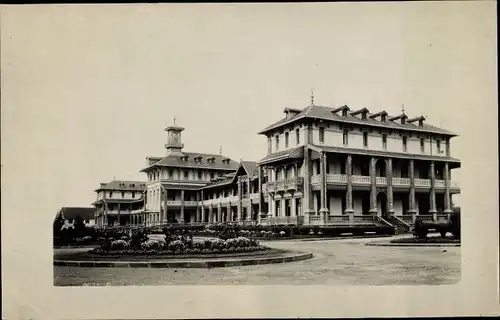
233,197
341,166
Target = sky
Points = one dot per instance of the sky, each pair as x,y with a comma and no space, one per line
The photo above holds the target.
88,90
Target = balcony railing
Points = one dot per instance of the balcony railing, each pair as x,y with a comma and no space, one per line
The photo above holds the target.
338,219
442,218
423,182
400,181
254,196
381,181
284,185
426,217
361,179
283,220
406,218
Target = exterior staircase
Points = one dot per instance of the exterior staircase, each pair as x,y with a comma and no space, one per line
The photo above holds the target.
400,225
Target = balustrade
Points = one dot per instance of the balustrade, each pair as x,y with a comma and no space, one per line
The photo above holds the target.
422,182
338,219
381,180
426,217
407,218
361,179
442,218
400,181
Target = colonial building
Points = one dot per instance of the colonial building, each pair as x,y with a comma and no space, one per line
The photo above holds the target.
332,165
117,201
174,181
324,166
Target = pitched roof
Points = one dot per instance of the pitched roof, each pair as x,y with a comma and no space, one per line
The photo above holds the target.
250,167
122,185
176,160
70,213
285,154
327,113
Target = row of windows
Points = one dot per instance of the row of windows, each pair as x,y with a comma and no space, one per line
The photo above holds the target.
123,194
345,141
185,175
287,139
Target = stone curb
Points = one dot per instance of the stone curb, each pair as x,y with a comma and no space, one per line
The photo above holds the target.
185,264
427,245
330,238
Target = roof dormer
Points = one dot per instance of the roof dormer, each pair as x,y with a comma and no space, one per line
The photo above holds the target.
420,120
363,112
226,160
402,117
198,159
185,158
344,109
382,115
211,160
290,113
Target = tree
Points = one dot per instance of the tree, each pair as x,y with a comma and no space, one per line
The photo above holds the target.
455,222
79,227
56,228
419,229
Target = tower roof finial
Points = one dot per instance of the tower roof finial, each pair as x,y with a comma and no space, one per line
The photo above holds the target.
220,150
403,108
174,119
312,97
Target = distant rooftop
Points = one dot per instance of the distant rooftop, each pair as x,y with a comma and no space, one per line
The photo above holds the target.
122,185
362,116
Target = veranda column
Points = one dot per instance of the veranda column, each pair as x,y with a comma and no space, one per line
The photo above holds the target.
412,208
447,197
219,213
373,186
202,207
323,210
432,195
211,213
249,191
118,214
181,219
261,194
240,198
308,197
165,206
348,197
390,195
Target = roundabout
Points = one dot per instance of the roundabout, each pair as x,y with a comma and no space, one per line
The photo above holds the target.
333,262
269,256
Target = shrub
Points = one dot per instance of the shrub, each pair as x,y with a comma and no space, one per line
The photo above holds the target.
454,225
419,229
119,245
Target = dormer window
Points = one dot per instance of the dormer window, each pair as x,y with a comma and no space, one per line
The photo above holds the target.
381,114
197,159
211,160
363,113
420,120
345,109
